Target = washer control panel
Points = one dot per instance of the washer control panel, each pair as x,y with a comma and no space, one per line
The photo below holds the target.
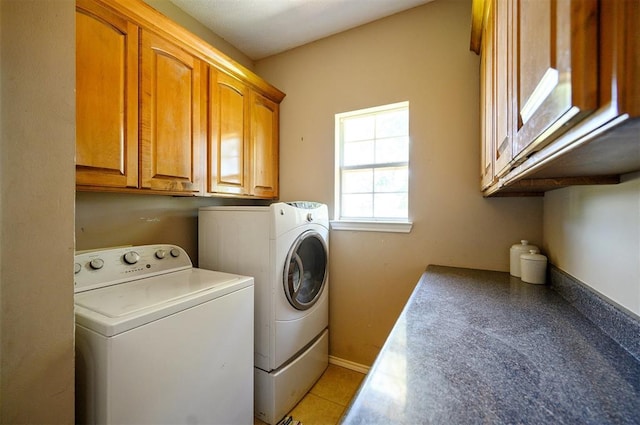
105,267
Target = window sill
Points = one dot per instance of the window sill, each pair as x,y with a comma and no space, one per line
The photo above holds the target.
373,226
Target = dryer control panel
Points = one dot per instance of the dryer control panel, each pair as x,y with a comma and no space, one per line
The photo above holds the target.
105,267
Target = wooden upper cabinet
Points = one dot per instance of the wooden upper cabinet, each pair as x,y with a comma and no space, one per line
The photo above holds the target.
161,111
265,120
106,98
170,111
560,103
556,68
228,148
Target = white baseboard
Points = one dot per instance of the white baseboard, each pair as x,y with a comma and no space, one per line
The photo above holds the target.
349,364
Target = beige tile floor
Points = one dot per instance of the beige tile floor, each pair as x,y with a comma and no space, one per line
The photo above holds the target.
328,398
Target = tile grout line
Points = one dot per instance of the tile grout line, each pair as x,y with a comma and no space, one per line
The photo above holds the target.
331,401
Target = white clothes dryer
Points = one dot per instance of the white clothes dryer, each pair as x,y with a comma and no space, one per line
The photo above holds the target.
161,342
285,247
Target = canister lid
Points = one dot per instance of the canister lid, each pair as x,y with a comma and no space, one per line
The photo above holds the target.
533,255
523,246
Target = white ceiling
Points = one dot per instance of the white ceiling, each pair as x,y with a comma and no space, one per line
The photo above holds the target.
261,28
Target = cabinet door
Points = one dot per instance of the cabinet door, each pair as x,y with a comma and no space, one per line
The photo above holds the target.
106,98
265,120
170,111
486,103
502,87
227,163
556,68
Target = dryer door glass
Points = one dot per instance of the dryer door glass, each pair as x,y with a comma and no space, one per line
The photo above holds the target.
305,270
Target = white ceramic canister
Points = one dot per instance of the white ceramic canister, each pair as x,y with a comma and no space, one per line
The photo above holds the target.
533,267
514,256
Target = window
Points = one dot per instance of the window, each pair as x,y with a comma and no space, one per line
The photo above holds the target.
372,167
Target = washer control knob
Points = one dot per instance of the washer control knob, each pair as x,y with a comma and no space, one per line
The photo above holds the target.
131,257
96,263
309,217
160,254
77,268
175,252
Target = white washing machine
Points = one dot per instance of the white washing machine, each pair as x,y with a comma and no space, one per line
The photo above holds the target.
285,248
161,342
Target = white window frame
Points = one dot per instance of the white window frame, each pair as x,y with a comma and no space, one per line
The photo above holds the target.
372,224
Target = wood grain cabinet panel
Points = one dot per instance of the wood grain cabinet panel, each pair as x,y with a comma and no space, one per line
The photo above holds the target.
495,93
487,124
228,144
503,88
106,98
170,114
243,139
555,68
264,147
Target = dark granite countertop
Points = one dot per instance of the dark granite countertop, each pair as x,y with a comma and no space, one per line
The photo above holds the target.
474,347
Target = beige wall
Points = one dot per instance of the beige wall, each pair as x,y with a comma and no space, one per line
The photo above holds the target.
37,184
593,233
422,56
111,219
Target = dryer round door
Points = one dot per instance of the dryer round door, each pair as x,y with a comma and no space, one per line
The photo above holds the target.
305,270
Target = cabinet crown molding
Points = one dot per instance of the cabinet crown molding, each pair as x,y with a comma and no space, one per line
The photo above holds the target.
479,12
147,17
